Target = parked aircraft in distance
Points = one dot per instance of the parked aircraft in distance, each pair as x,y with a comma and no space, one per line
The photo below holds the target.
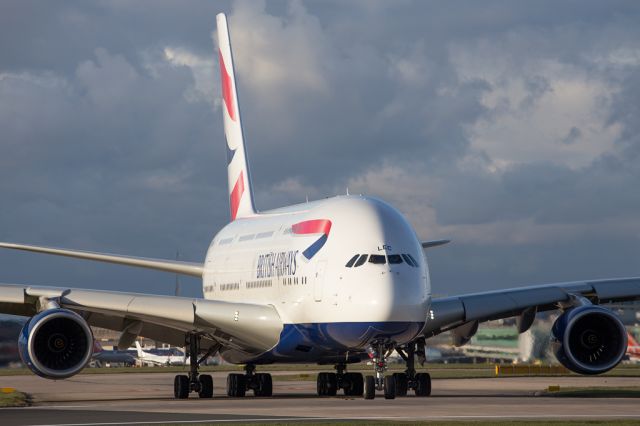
335,281
164,357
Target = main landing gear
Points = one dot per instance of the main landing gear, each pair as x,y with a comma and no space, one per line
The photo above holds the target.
419,382
329,383
194,382
238,384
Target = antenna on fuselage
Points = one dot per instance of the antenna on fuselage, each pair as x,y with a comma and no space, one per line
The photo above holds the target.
347,190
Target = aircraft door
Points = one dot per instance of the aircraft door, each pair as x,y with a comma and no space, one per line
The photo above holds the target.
318,280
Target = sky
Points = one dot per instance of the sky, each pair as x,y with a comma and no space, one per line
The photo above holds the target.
510,127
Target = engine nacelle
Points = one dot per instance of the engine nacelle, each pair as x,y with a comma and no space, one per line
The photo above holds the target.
56,343
589,339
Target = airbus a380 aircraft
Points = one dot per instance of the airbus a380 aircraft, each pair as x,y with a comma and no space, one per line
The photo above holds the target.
332,282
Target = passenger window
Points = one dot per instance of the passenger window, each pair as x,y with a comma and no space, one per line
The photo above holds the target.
394,259
408,259
361,261
415,262
378,259
352,261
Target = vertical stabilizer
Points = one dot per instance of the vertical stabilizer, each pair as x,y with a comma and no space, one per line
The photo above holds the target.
240,193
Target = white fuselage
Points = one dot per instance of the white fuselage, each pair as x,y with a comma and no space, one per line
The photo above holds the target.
262,260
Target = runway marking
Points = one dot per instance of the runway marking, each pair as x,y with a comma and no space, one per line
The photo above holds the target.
277,419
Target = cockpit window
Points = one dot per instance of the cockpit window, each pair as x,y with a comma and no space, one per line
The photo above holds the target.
394,259
408,259
415,262
378,259
352,261
360,262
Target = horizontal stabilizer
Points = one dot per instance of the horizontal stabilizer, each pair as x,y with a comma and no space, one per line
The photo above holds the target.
434,243
178,267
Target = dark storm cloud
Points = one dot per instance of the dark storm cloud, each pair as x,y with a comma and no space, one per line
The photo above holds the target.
456,112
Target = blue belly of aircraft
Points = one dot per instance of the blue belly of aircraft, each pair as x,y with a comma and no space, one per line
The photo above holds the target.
329,342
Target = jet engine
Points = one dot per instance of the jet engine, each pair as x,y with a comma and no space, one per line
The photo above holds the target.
56,343
589,339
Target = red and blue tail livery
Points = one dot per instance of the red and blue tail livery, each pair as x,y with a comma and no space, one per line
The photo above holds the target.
308,227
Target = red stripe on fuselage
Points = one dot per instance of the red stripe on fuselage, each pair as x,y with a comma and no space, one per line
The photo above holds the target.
236,196
227,88
315,226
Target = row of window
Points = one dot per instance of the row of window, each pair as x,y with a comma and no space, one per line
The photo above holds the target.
294,280
248,237
230,286
259,284
381,259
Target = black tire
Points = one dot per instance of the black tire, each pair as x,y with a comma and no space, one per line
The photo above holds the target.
206,386
402,384
265,385
181,387
236,385
354,384
320,384
369,391
389,387
423,384
332,384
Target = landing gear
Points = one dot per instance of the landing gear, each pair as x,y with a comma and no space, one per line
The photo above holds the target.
238,384
380,352
194,382
419,382
328,384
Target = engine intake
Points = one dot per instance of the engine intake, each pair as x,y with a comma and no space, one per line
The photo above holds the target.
56,343
589,339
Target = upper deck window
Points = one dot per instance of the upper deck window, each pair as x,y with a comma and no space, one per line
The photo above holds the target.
378,259
352,261
394,259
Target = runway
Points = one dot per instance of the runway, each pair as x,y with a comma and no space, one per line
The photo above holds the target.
145,398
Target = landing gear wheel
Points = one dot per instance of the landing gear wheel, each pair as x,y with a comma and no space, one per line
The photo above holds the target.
181,387
354,385
206,386
369,387
327,384
389,387
402,384
265,385
236,385
423,384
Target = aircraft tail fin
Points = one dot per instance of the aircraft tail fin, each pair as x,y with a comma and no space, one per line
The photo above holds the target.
139,349
240,191
631,340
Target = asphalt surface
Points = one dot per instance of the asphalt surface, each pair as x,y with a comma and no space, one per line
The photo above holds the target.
146,398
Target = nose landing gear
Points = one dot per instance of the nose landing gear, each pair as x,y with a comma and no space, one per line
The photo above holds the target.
380,353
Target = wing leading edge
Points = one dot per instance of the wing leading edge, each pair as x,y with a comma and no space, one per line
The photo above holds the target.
178,267
464,312
245,327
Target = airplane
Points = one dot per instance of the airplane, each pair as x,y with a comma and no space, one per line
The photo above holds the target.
167,357
102,356
334,282
633,348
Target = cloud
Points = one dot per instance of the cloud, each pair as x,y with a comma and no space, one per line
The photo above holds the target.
510,129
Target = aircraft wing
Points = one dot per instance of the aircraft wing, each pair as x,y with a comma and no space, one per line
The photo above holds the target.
246,327
178,267
462,314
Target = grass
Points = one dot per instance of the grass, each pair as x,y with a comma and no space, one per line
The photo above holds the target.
447,423
595,392
13,398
